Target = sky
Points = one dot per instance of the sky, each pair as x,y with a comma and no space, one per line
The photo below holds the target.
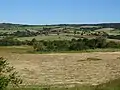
59,11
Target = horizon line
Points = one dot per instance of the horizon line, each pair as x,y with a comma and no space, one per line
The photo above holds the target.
56,23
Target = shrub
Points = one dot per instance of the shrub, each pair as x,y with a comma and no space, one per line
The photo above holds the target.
8,75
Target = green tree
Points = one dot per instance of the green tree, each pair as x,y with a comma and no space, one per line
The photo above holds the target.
75,32
39,46
33,41
101,42
8,75
58,32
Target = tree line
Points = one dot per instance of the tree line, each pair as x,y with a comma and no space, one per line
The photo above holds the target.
73,45
62,45
114,37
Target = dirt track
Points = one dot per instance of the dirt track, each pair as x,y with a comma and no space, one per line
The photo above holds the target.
66,68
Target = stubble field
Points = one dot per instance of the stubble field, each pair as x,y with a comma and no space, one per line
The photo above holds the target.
65,68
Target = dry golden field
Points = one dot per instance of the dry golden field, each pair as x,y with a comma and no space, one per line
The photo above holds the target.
65,68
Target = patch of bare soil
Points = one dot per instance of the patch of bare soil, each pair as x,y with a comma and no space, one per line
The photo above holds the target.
82,68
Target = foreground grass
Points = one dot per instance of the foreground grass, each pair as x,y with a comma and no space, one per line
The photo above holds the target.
111,85
55,88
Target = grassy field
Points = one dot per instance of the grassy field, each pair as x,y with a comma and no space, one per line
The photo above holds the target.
9,31
29,50
111,85
76,70
110,31
60,87
64,71
51,37
15,49
105,29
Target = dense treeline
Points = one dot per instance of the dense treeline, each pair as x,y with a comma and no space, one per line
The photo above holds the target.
26,33
73,45
103,25
114,37
90,29
62,45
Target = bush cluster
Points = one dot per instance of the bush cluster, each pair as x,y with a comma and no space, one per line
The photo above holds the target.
73,45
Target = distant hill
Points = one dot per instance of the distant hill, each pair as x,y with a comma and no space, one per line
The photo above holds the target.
5,25
10,25
103,25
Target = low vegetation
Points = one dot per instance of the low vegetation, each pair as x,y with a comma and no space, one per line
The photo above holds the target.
73,45
62,45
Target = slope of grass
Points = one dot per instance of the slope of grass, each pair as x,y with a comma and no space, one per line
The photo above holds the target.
76,87
111,85
110,31
15,49
105,29
51,37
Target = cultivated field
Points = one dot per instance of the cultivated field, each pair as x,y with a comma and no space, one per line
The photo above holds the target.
81,68
110,31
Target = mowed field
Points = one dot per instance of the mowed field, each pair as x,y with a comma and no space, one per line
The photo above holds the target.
65,68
